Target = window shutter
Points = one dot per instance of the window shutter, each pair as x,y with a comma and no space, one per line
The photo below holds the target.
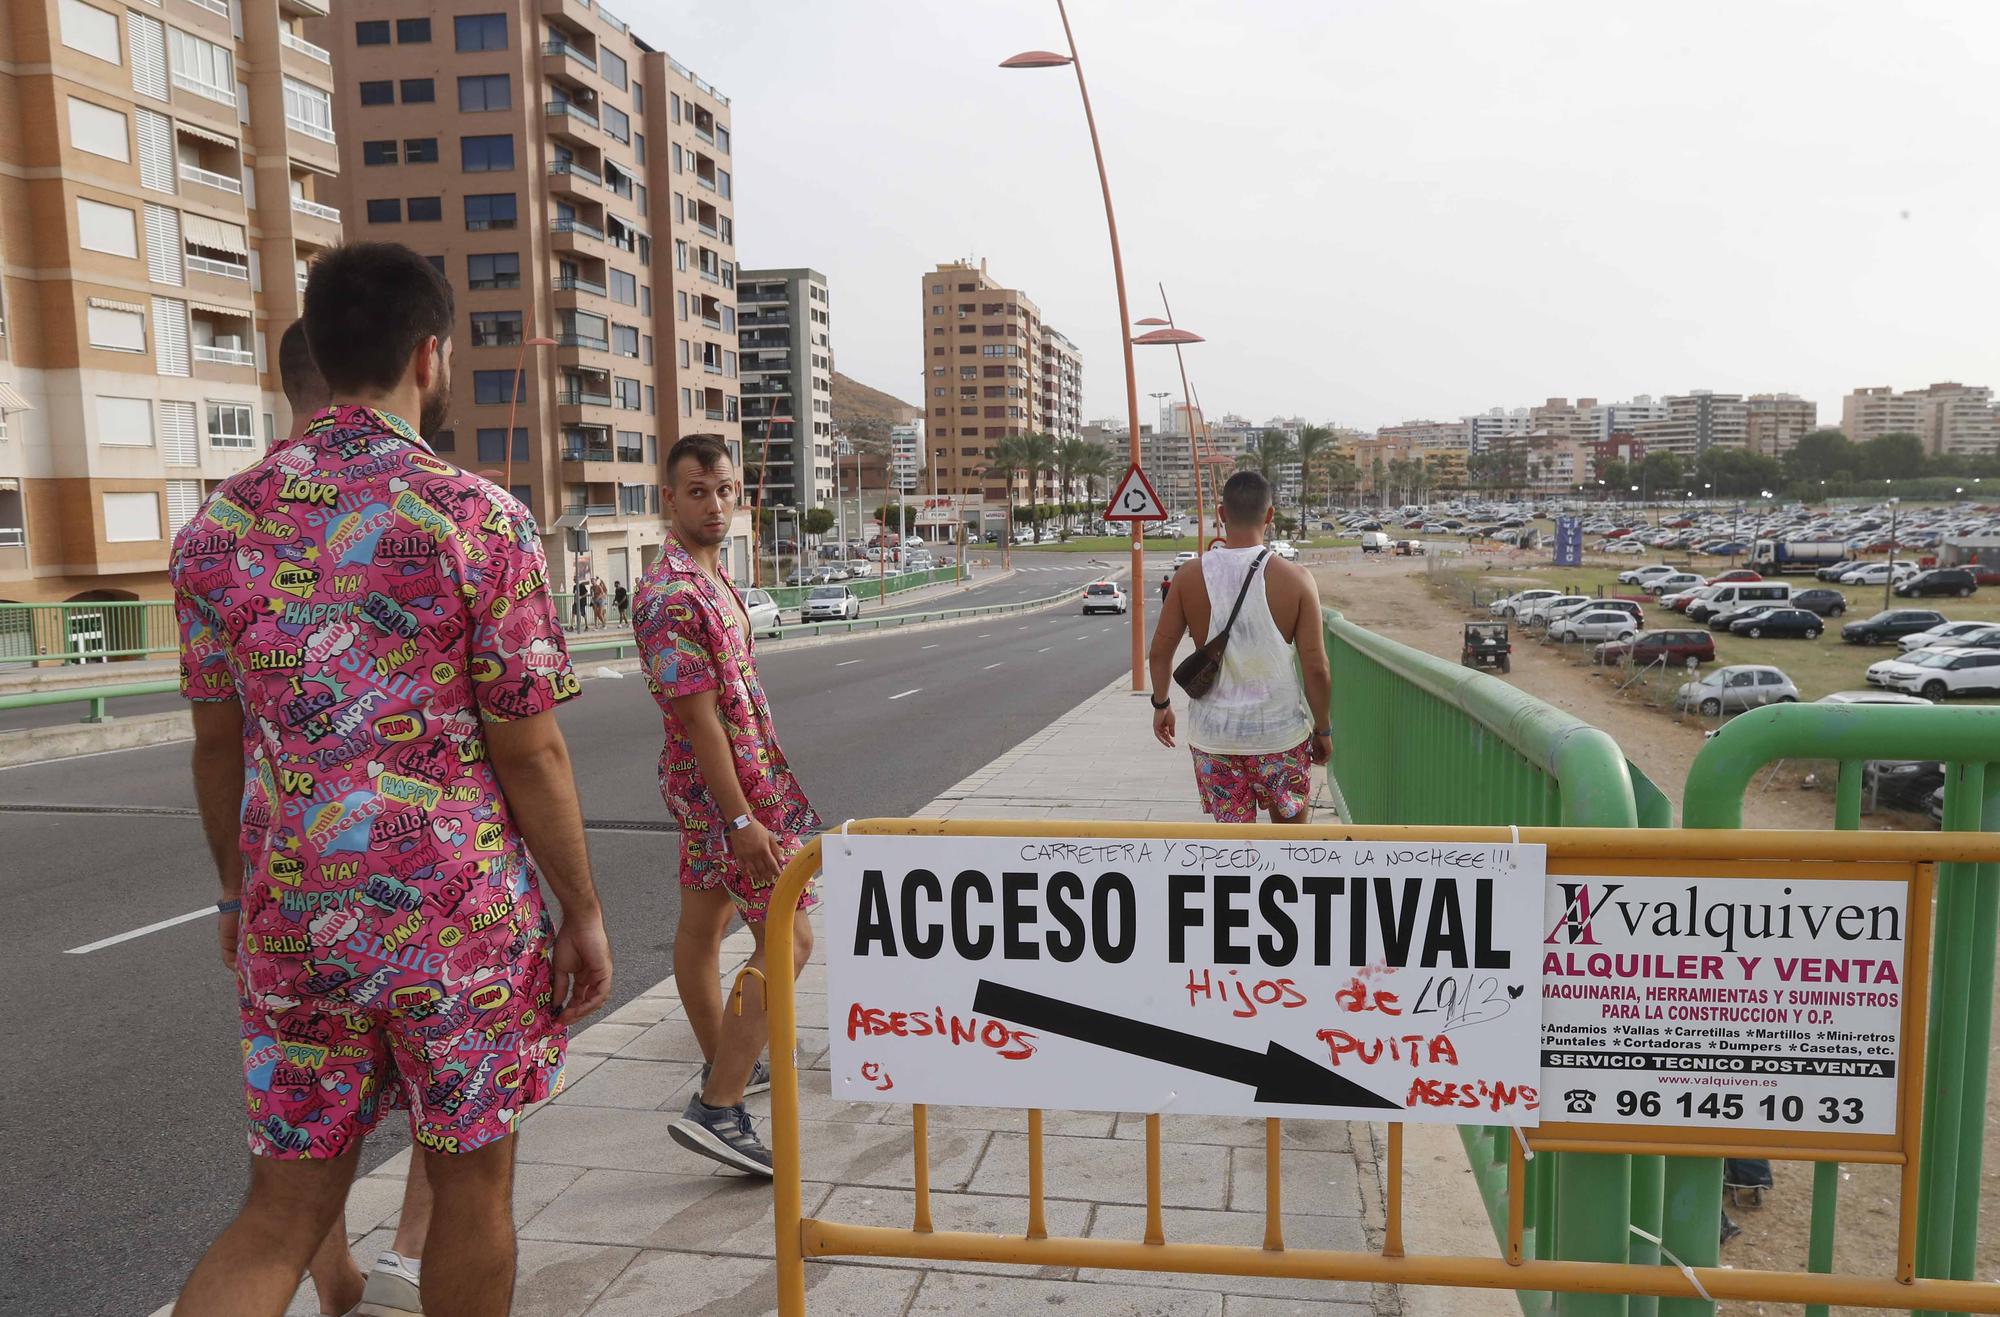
147,38
170,336
163,245
177,435
183,503
156,151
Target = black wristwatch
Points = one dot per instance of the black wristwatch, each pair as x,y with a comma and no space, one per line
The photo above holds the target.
1322,731
1160,704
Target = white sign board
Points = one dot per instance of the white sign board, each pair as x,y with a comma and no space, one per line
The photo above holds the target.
947,509
1734,1003
1134,499
1232,977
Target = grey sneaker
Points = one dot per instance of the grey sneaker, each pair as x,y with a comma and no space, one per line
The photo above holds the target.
760,1079
392,1289
722,1133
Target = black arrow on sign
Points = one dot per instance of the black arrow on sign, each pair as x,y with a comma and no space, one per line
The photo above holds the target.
1278,1073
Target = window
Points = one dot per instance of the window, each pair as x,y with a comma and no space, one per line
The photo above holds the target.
493,270
413,31
624,287
625,340
131,518
616,122
420,150
639,147
422,91
676,157
486,91
308,109
112,230
379,153
684,354
638,96
626,393
437,263
99,131
493,442
482,155
124,422
674,106
492,210
722,183
480,31
445,441
378,93
496,329
91,30
687,402
613,68
230,425
374,32
117,326
722,141
490,386
682,299
426,210
647,341
385,210
202,67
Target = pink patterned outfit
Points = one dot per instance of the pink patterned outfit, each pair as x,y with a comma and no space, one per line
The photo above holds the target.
372,607
693,638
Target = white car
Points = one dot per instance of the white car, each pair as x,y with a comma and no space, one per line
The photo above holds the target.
1593,624
764,616
1184,557
830,603
1512,604
1542,610
1672,583
1103,597
1285,550
1624,546
1973,635
1939,673
1641,575
1876,573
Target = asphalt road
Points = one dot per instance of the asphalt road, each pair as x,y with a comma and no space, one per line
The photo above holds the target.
1038,577
122,1115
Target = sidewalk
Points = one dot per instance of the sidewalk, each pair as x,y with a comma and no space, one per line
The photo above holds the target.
617,1221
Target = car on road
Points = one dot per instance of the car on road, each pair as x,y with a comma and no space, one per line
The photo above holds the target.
1938,581
1890,624
1374,541
1938,674
1184,557
1680,647
1735,688
1593,624
1642,575
830,603
1827,603
1970,635
1103,597
1285,549
1776,622
1511,605
763,611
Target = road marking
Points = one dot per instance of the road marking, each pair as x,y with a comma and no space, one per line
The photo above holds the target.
912,691
990,666
1022,627
1043,650
190,916
845,662
930,646
982,635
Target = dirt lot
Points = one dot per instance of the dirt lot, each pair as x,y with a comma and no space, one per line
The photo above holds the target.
1390,596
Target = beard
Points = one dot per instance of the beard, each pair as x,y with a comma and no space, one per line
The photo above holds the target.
436,410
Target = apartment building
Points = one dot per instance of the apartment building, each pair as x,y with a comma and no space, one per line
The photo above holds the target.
1490,428
1775,422
1951,418
164,173
982,346
522,147
1696,422
784,333
1596,422
1061,386
1431,436
909,459
1871,413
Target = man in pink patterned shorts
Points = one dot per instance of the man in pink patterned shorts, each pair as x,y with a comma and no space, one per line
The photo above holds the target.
1257,733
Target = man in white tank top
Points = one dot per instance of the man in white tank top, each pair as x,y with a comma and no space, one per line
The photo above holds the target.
1259,730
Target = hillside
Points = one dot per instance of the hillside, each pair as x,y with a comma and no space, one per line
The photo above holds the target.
867,413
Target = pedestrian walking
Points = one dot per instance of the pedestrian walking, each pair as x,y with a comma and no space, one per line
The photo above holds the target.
579,603
597,593
1166,584
622,601
361,874
741,811
1256,726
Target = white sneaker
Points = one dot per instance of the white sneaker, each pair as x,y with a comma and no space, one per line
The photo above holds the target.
393,1288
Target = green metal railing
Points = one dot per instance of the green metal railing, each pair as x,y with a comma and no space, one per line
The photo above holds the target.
1966,943
86,632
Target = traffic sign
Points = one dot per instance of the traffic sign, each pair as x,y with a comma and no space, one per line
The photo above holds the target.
1337,980
947,509
1135,500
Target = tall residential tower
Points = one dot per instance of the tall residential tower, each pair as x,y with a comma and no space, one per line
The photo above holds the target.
785,336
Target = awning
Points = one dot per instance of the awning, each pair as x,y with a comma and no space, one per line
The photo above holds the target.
570,521
235,312
9,485
181,125
201,231
106,304
11,399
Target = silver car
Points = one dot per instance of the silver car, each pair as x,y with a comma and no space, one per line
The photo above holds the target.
830,603
1735,688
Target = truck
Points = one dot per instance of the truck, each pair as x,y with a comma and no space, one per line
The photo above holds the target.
1776,556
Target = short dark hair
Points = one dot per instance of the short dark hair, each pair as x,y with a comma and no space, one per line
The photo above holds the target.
369,307
305,387
705,449
1246,497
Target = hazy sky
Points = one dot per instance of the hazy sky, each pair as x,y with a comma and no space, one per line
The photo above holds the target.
1377,210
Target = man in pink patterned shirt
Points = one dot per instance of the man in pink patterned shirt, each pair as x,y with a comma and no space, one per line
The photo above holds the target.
375,665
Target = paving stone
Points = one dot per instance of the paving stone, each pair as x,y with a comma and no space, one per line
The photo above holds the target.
1238,1305
536,1184
639,1085
953,1294
883,1155
974,1212
669,1040
1320,1183
688,1209
564,1280
1083,1124
1242,1131
1106,1170
1183,1226
603,1038
663,1284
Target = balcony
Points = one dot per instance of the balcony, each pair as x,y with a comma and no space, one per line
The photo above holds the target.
558,49
565,116
584,341
568,176
304,47
316,210
318,132
215,356
218,269
713,413
590,509
746,296
567,234
209,178
576,450
314,8
576,283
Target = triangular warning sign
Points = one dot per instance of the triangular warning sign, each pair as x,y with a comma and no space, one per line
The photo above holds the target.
1134,499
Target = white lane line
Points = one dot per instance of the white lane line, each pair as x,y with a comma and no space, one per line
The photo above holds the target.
1022,627
912,691
982,635
845,662
930,646
1044,649
990,666
190,916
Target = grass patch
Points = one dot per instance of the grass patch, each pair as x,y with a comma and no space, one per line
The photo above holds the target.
1121,544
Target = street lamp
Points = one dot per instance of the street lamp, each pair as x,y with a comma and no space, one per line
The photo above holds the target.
1177,337
1046,59
514,401
1889,581
757,514
1162,393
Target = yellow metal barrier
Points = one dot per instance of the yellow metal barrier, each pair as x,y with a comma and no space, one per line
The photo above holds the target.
1718,853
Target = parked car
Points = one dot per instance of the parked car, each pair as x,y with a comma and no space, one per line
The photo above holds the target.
1938,581
1512,604
1890,624
1834,571
1734,595
1735,688
1593,624
1778,622
763,611
1877,573
1672,583
1680,600
1542,610
1827,603
1902,783
1937,674
1284,549
1971,635
1103,597
1870,697
1374,541
830,603
1679,647
1650,572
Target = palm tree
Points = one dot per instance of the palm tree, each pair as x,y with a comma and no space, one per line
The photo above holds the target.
1092,465
1272,452
1312,448
1038,455
1070,454
1005,462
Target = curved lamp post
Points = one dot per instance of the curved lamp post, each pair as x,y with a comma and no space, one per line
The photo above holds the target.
514,401
1177,337
1048,59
